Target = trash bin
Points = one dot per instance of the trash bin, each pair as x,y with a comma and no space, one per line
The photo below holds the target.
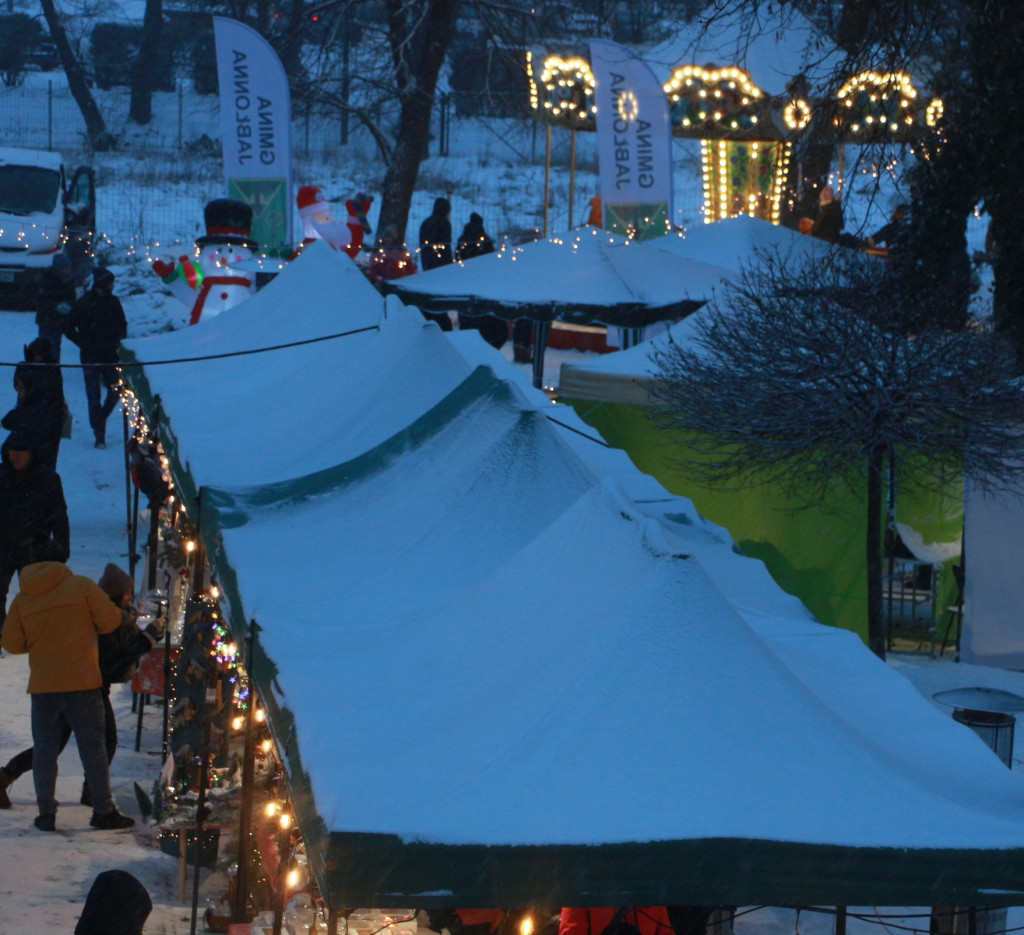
995,728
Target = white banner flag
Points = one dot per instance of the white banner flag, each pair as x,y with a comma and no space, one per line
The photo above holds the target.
256,128
634,143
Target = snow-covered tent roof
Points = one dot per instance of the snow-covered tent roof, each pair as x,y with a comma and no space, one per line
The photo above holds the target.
729,244
590,276
507,668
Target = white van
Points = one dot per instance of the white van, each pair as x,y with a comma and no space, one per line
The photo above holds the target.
42,214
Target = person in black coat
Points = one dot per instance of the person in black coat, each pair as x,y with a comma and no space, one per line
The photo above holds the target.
39,412
33,515
829,220
54,297
436,249
97,325
475,242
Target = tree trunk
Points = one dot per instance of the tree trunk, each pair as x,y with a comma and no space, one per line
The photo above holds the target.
1006,238
100,139
876,617
289,43
418,56
141,108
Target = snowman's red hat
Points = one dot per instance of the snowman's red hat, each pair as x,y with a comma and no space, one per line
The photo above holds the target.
310,200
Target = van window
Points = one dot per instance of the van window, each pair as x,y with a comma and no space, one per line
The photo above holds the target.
28,189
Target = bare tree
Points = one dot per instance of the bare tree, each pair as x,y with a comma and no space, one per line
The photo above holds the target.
141,108
805,376
967,54
419,32
100,139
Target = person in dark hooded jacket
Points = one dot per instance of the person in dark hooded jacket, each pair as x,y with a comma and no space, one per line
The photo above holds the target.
39,413
475,242
33,514
97,325
436,249
117,904
54,298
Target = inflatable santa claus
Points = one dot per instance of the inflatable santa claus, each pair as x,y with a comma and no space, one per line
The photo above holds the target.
206,281
318,221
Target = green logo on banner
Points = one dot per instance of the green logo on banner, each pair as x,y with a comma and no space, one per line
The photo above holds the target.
268,199
641,220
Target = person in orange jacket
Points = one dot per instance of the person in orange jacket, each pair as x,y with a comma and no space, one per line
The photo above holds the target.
56,618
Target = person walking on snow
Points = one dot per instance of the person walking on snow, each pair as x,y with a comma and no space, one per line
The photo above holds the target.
56,618
97,326
119,651
33,515
54,298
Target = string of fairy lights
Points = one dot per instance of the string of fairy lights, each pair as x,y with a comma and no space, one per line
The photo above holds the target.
276,849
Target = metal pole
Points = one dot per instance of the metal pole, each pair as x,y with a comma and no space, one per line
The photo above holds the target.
547,179
49,115
572,177
283,842
346,84
133,539
840,920
127,473
165,735
248,775
200,810
198,557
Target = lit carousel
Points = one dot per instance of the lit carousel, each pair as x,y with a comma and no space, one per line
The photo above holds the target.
756,95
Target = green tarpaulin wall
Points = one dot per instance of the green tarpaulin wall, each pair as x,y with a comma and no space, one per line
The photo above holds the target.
814,552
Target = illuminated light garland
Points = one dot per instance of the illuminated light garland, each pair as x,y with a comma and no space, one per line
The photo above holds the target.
934,113
724,96
568,86
875,98
797,114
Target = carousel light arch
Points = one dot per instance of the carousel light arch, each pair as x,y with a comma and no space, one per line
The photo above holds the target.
746,134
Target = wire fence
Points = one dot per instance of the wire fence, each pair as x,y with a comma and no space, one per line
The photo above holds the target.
154,188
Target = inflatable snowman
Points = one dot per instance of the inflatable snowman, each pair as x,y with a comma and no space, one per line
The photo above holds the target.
318,221
206,281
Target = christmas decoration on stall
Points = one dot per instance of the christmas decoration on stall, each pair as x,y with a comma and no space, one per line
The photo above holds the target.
204,691
206,281
318,221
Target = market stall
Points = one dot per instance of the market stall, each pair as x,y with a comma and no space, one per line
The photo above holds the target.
590,277
501,666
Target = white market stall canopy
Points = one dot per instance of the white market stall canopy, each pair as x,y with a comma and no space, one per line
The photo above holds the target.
505,667
588,276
